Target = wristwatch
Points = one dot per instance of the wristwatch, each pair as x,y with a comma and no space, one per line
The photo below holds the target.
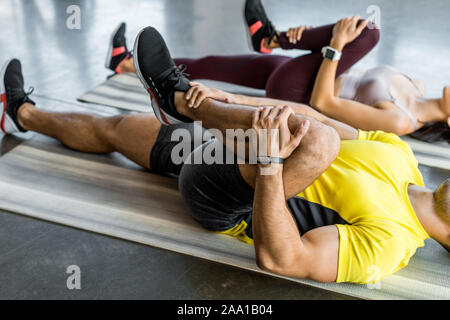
268,160
331,53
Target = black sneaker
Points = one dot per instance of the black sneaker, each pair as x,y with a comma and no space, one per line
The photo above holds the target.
159,75
259,26
117,51
12,96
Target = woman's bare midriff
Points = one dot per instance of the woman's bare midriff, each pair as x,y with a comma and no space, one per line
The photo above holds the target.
402,89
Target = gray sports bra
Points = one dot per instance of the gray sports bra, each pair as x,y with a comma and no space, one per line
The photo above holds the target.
373,86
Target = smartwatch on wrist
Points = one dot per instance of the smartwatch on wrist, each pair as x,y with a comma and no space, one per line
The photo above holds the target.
269,160
331,53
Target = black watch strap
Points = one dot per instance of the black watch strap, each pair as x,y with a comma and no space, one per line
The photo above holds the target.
268,160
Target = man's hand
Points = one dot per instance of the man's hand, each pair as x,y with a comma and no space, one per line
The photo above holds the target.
295,34
346,30
199,92
274,137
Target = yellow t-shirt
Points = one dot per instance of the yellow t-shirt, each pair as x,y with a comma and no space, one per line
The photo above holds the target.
367,186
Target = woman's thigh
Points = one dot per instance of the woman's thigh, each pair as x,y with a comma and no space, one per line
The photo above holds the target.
251,70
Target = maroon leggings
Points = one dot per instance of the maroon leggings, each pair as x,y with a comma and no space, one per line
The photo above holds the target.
282,77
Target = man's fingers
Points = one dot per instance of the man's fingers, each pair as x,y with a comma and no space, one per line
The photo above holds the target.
274,113
199,99
188,93
300,133
285,113
255,119
283,117
194,85
263,115
195,93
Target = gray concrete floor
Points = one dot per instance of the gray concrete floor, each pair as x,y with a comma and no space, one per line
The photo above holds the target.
61,64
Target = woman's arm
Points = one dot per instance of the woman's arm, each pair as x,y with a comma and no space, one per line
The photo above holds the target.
351,112
345,31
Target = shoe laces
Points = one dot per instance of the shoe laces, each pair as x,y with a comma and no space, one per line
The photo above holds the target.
18,94
182,68
174,76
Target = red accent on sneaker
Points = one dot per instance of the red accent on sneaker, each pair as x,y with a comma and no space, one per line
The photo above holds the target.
255,27
3,100
152,96
263,49
118,50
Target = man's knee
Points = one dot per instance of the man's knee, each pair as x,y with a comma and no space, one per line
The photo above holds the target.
321,141
110,126
113,121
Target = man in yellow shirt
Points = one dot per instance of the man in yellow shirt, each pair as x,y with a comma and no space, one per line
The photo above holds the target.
361,220
366,202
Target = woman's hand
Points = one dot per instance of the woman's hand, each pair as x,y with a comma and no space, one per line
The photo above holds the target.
295,34
346,30
199,92
274,137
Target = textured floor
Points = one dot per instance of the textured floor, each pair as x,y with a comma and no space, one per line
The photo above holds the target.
62,64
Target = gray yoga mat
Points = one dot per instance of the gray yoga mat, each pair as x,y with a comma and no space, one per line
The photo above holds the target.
112,196
124,91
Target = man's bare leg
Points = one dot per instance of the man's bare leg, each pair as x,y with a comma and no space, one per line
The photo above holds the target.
127,65
317,151
131,135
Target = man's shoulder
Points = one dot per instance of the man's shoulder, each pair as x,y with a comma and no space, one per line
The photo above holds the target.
369,252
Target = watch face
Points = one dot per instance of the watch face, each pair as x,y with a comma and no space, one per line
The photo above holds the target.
264,160
329,54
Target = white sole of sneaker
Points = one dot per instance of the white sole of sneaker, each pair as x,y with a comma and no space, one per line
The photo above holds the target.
7,126
162,116
110,48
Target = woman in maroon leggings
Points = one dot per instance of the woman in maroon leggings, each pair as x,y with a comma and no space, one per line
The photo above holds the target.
380,98
282,77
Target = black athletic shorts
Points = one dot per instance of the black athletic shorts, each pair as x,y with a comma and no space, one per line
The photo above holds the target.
216,195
